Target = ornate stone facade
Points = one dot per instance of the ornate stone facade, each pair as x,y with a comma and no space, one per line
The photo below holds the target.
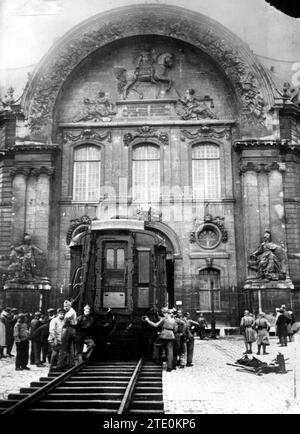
196,98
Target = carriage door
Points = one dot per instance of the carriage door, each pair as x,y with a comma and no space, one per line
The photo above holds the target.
115,275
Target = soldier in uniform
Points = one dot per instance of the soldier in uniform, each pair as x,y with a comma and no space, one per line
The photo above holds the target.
167,335
84,334
191,327
180,341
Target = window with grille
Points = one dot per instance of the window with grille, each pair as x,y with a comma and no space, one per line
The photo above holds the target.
146,173
86,173
206,171
209,290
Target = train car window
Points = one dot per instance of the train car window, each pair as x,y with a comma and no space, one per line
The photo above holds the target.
144,266
110,258
120,259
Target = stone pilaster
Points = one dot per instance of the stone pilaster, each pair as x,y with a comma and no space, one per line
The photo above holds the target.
19,190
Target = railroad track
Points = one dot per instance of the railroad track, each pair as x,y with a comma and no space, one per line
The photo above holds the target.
93,387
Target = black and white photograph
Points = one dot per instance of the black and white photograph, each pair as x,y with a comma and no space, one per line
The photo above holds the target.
149,211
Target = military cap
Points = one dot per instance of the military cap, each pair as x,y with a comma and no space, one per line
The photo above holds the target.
61,310
14,309
21,315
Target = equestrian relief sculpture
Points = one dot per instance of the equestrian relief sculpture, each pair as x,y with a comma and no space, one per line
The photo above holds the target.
150,68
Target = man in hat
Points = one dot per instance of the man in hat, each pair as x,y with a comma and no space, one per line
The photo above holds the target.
35,353
191,327
202,324
9,330
179,347
55,335
84,334
21,335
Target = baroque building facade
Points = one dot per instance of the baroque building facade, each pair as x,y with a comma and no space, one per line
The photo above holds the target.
161,115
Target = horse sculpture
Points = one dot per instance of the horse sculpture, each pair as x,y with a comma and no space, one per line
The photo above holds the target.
148,70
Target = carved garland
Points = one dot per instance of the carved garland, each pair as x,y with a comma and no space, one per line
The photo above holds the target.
235,60
86,134
206,132
146,132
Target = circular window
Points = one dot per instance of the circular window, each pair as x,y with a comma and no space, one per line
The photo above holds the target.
208,236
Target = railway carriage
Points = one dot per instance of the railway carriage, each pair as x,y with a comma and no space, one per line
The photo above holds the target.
119,268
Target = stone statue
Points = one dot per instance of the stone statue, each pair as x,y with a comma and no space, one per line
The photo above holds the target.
269,260
22,260
195,108
150,68
100,109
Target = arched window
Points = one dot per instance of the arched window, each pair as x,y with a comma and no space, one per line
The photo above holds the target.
146,172
209,290
206,171
86,173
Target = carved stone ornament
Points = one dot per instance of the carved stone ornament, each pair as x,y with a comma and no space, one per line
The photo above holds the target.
100,109
22,261
75,223
193,107
206,132
250,81
262,168
210,233
151,67
86,135
269,260
35,171
149,215
146,132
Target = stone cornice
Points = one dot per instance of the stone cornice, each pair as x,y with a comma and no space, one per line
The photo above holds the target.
32,147
141,123
240,145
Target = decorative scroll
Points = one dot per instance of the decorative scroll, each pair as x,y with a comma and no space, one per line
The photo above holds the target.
86,134
210,233
206,132
75,223
146,132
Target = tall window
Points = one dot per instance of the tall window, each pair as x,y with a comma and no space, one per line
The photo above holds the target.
86,173
209,290
206,171
146,173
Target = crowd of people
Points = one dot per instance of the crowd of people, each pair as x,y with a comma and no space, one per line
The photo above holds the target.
57,337
174,337
257,329
63,339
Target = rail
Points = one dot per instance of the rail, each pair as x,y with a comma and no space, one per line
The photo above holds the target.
130,388
24,403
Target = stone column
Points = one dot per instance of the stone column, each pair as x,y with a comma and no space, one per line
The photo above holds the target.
19,187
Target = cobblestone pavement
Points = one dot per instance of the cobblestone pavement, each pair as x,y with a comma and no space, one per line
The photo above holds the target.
11,380
212,387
